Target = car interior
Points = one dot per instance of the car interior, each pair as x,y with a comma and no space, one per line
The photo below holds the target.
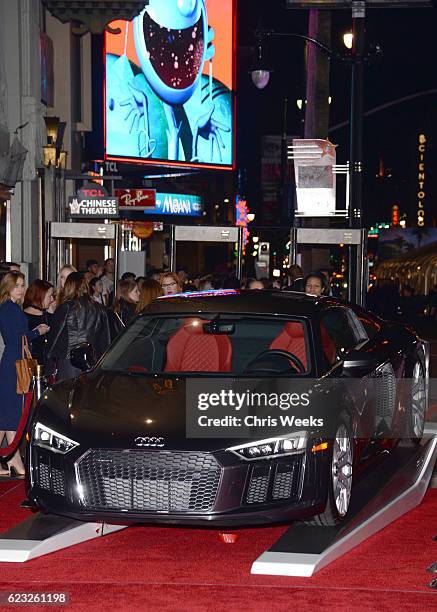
223,343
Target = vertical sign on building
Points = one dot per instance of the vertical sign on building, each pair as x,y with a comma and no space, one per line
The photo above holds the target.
241,212
395,215
421,193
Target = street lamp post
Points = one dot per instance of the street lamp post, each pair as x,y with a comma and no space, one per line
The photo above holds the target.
260,77
356,139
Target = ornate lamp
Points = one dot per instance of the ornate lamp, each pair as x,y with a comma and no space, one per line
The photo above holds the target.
53,153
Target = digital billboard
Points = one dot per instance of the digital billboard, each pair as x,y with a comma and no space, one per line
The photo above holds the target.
170,83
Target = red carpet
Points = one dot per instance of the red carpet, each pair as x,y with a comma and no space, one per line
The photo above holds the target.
145,568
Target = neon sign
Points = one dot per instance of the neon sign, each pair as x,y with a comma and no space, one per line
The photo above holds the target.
181,204
241,219
421,194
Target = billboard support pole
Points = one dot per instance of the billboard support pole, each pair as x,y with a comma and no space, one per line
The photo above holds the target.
47,247
172,261
292,257
239,270
116,255
356,139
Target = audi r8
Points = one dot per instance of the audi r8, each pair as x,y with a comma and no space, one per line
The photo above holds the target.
156,431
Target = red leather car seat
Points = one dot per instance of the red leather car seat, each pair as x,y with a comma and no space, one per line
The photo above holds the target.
292,339
328,345
191,350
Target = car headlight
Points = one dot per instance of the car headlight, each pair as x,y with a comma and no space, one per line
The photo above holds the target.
48,438
270,448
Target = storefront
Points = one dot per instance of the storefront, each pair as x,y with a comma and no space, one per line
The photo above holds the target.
146,216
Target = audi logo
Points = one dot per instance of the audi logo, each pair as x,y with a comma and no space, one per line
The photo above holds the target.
149,441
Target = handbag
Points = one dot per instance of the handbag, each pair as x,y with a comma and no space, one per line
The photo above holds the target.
26,367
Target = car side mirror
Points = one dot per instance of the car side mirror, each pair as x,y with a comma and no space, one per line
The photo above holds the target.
359,360
83,356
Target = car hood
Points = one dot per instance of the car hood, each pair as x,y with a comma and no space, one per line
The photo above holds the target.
113,410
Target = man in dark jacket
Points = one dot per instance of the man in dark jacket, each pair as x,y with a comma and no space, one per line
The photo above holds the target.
295,274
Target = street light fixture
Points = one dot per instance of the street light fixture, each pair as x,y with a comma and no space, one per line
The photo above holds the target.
348,40
356,57
261,70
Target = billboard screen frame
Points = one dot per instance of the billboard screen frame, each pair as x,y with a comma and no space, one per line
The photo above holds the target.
345,4
163,162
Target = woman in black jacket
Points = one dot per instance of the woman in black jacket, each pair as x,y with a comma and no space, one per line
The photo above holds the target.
125,305
77,320
38,306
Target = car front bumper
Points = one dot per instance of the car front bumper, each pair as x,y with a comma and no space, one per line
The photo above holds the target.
177,487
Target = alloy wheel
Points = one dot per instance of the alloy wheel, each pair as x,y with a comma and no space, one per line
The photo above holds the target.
341,470
418,396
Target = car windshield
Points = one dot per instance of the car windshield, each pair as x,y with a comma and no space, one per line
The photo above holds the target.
213,343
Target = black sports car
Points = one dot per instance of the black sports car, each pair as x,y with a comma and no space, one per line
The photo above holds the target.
152,433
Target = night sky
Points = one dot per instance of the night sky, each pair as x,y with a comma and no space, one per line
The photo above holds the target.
408,38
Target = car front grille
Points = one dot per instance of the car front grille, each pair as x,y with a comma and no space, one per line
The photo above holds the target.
274,481
151,481
50,477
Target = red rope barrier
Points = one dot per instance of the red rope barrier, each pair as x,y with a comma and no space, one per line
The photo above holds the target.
9,450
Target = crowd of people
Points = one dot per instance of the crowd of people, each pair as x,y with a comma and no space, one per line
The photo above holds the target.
400,302
82,308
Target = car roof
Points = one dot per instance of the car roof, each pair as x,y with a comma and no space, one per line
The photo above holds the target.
272,302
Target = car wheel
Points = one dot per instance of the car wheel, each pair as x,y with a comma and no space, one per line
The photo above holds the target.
340,479
418,403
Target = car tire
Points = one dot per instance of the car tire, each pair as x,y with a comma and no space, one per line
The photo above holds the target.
339,478
417,413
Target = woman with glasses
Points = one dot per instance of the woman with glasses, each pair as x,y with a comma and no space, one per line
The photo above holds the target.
169,282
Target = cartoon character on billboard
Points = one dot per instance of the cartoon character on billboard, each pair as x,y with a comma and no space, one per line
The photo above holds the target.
168,108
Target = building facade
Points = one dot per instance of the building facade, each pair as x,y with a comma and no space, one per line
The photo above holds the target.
44,81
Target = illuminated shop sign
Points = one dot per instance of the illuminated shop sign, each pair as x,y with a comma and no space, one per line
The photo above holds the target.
395,215
241,219
136,199
184,205
169,85
421,194
93,207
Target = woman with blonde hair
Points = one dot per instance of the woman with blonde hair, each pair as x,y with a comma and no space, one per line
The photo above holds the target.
170,283
77,320
13,325
150,289
64,273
